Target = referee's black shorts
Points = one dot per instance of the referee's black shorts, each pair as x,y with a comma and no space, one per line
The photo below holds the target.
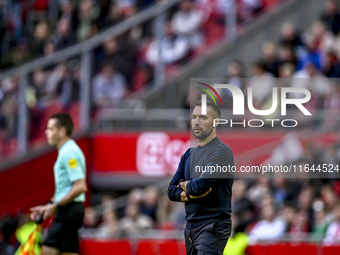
208,239
63,233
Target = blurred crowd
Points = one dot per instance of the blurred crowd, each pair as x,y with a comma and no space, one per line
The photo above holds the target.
292,209
301,59
120,66
40,27
35,28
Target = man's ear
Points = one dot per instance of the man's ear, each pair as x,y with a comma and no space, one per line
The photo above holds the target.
62,131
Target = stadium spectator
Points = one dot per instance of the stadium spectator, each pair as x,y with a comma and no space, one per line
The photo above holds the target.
269,58
49,48
134,221
213,10
331,17
112,17
331,66
261,83
305,202
290,36
68,87
109,86
269,227
9,104
329,197
135,196
36,97
68,11
216,10
121,54
109,227
56,74
170,215
286,55
316,82
246,9
150,202
174,48
107,203
279,191
300,225
90,218
258,190
324,40
189,16
88,13
40,38
287,212
321,221
243,209
286,71
63,35
235,75
17,55
311,55
333,231
143,4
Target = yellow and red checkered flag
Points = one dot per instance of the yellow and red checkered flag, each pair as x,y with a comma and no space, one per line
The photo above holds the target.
31,246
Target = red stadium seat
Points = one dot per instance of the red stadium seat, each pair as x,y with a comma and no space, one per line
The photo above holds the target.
139,79
213,32
268,4
94,247
41,5
306,249
181,248
255,250
12,146
331,250
158,247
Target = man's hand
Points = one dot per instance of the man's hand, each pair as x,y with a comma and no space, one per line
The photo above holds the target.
48,211
35,212
183,185
185,199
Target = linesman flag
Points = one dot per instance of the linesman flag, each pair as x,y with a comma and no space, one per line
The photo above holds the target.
30,240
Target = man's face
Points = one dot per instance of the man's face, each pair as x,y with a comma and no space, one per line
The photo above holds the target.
202,125
108,71
52,132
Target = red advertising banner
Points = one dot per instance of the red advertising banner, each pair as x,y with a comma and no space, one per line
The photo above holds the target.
158,153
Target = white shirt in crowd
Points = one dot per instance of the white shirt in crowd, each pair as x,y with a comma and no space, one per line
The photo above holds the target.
332,234
108,89
172,50
266,230
192,21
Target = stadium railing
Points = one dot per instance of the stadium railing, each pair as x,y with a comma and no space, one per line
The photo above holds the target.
83,51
